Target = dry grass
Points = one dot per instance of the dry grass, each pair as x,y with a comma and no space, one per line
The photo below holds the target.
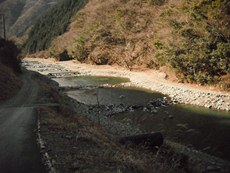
80,146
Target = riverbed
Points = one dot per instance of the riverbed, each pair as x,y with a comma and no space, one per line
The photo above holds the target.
206,130
199,128
205,96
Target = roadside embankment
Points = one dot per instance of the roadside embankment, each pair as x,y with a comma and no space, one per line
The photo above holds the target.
10,83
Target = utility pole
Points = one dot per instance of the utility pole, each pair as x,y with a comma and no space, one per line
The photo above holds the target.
3,25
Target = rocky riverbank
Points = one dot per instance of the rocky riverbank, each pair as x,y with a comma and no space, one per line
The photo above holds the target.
152,80
186,96
72,129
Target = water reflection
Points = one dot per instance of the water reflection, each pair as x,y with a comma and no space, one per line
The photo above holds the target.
201,128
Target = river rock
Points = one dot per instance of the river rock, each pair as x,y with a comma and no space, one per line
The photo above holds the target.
170,117
121,96
150,140
213,168
75,166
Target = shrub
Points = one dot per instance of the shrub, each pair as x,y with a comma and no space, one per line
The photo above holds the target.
157,2
80,52
176,24
158,45
189,33
10,55
118,15
203,53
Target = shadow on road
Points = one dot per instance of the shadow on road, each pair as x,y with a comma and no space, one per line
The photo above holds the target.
19,152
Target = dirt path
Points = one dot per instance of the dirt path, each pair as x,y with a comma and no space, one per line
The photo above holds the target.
154,80
19,151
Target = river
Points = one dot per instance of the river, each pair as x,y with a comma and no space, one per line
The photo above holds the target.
203,129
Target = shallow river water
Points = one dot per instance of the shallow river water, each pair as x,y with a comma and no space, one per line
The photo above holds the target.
200,128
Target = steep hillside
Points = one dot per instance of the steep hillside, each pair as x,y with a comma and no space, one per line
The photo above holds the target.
20,14
52,24
190,37
9,68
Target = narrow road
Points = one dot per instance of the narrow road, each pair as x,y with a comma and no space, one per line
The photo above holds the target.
19,152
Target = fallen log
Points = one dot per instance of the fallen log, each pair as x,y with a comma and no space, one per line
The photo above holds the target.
150,140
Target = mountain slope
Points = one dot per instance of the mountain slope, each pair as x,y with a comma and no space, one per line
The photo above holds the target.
9,69
192,38
52,24
20,14
2,1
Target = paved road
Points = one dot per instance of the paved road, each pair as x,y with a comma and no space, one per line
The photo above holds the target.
19,152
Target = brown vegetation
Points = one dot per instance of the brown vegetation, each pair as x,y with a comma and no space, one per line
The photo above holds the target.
9,69
184,36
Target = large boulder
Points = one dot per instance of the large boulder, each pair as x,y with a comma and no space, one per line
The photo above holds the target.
150,140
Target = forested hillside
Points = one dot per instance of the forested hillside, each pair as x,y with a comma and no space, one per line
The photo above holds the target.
190,38
21,14
52,24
